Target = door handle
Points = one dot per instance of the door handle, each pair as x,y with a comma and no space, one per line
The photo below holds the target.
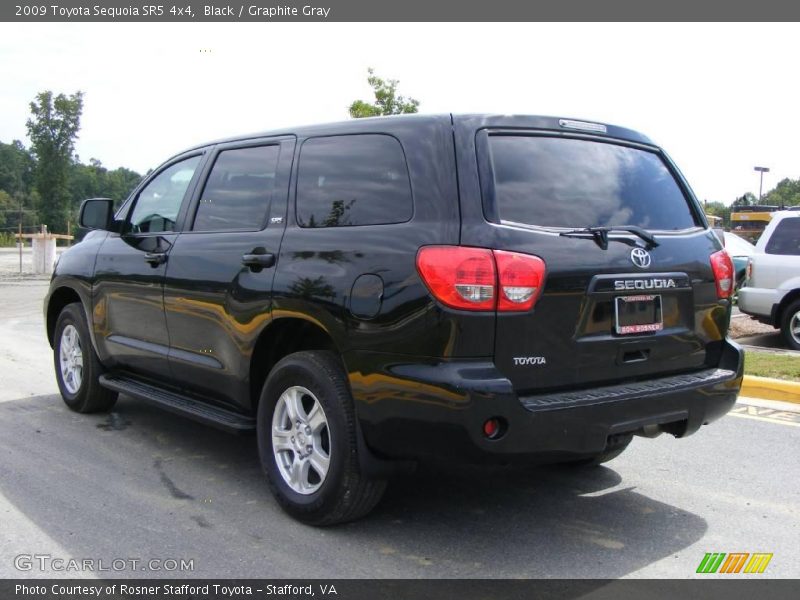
155,258
256,262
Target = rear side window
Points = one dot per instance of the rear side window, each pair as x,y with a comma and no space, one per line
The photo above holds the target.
239,189
352,180
786,238
563,182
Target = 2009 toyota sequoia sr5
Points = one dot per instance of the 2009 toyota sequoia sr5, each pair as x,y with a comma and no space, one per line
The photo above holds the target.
378,291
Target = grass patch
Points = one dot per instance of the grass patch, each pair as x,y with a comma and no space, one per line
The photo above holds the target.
768,364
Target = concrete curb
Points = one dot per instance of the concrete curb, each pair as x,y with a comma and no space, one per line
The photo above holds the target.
771,389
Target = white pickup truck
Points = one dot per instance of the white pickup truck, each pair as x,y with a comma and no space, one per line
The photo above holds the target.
771,291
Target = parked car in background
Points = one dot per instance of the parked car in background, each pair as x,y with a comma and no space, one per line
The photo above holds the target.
771,292
740,250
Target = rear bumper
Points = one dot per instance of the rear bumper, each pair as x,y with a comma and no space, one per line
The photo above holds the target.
759,302
414,410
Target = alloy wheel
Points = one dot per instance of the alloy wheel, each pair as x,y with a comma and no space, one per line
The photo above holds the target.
301,440
70,356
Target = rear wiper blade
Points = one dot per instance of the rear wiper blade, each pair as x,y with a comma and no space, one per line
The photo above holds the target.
600,234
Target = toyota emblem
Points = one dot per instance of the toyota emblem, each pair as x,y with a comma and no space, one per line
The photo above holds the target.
640,257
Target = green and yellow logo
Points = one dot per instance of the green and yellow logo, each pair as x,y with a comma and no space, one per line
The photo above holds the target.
734,562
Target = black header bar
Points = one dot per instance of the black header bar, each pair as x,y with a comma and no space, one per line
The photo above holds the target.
265,11
395,589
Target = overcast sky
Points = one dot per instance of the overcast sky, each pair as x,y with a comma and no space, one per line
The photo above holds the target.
721,98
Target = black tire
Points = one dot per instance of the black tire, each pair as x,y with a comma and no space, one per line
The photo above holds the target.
615,447
88,396
343,493
790,320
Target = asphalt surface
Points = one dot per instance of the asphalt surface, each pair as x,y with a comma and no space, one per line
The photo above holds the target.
140,483
767,341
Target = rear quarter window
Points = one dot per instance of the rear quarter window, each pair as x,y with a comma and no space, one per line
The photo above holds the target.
352,180
565,182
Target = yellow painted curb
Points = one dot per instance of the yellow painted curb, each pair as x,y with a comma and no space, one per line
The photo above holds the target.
771,389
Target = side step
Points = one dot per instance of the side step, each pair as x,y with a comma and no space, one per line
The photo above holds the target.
179,404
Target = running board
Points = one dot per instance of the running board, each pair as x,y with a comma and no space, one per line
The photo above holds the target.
180,404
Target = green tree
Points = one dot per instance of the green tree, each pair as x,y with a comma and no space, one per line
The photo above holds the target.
786,193
748,199
119,183
16,168
95,181
7,206
387,102
53,129
718,209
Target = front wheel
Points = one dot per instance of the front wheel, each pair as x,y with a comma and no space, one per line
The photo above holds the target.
76,364
790,325
307,441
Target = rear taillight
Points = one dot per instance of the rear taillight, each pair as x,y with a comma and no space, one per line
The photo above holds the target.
521,277
748,273
467,278
722,266
459,277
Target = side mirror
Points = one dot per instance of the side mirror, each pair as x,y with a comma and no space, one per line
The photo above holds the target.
97,213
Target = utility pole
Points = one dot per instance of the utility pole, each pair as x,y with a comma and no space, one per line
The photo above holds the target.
761,170
19,240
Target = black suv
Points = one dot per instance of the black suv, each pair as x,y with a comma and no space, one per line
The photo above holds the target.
369,293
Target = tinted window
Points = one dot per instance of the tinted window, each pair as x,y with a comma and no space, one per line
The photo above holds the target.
157,205
239,189
560,182
786,238
352,180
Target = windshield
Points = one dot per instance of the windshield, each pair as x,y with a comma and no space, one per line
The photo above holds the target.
564,182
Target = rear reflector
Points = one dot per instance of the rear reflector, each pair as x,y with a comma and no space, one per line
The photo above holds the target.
495,428
722,266
467,278
491,428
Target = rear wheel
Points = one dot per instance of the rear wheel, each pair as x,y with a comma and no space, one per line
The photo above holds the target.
77,366
790,325
307,441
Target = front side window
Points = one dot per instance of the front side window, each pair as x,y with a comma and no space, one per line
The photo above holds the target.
353,180
564,182
158,204
239,189
786,238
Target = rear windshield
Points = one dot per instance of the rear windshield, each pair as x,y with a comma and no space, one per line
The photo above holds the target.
785,239
562,182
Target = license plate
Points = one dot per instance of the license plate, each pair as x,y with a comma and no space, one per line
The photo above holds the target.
638,314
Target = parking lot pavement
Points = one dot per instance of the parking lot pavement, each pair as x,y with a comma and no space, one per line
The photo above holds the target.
140,483
26,364
767,341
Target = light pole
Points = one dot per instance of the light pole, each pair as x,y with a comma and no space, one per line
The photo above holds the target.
761,170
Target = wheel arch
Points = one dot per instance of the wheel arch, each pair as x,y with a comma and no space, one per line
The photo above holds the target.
785,302
280,338
57,300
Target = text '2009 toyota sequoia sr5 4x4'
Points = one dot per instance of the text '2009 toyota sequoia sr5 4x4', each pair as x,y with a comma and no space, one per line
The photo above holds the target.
378,291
